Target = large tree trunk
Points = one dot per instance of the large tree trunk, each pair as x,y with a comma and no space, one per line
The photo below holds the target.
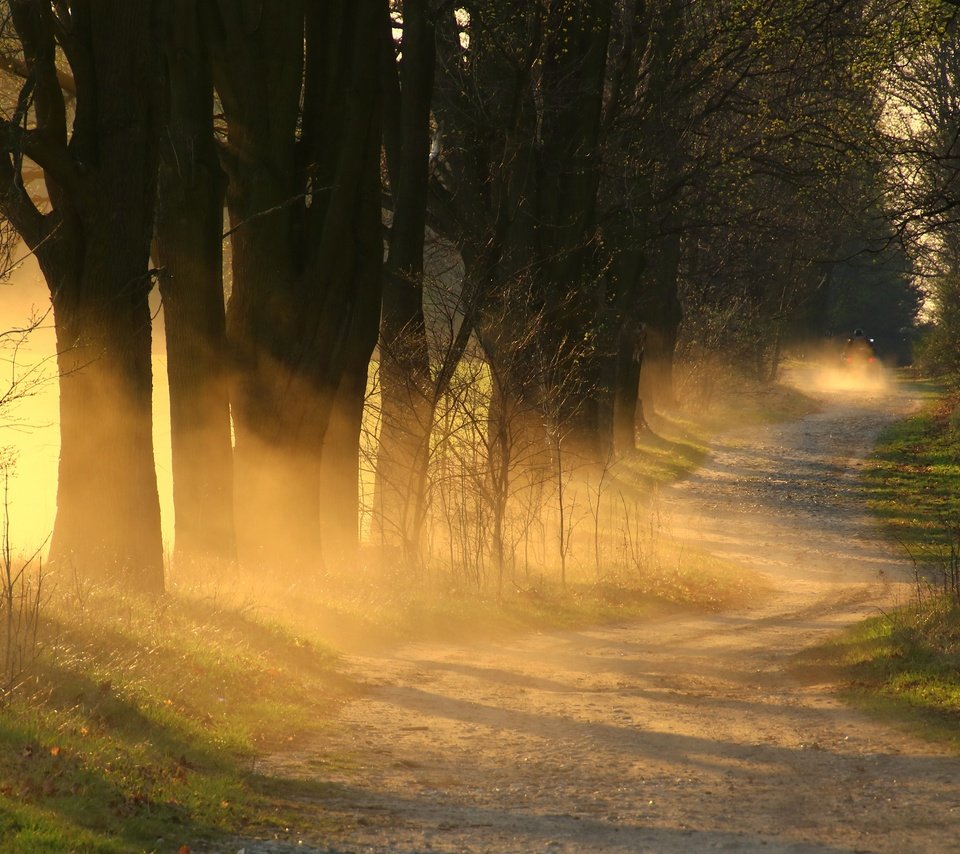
276,410
625,348
574,64
258,71
628,413
663,313
340,472
189,248
519,184
406,389
307,253
108,511
93,248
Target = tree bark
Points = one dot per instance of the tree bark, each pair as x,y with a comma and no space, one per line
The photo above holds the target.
108,511
189,249
304,205
93,249
340,472
662,313
626,349
574,68
405,383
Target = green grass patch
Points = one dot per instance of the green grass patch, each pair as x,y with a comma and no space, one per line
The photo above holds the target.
137,726
912,481
905,666
902,667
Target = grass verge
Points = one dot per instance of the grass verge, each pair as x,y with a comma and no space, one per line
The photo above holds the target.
913,480
905,666
137,726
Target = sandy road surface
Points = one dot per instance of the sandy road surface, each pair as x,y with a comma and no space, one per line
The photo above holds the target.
680,734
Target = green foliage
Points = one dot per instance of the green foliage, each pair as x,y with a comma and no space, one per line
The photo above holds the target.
922,121
939,348
874,290
792,174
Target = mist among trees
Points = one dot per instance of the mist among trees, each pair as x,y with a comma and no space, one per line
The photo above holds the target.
429,270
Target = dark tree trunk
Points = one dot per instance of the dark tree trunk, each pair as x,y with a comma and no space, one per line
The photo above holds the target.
574,66
627,405
518,194
304,205
406,388
626,280
189,248
108,511
663,314
340,472
93,249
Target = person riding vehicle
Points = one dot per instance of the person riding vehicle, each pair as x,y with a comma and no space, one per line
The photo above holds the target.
859,351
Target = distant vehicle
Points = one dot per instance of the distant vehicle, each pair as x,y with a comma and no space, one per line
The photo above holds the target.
860,352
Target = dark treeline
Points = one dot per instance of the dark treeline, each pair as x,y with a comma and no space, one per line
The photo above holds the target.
448,250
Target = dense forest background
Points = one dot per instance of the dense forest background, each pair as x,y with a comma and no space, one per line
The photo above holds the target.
428,270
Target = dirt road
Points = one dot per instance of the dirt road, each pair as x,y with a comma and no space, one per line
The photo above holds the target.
676,735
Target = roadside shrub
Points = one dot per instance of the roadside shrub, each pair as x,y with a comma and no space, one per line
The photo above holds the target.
937,353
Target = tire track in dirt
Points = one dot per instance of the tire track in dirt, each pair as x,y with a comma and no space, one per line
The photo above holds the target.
685,733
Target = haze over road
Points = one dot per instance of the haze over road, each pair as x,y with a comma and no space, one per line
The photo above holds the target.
683,733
